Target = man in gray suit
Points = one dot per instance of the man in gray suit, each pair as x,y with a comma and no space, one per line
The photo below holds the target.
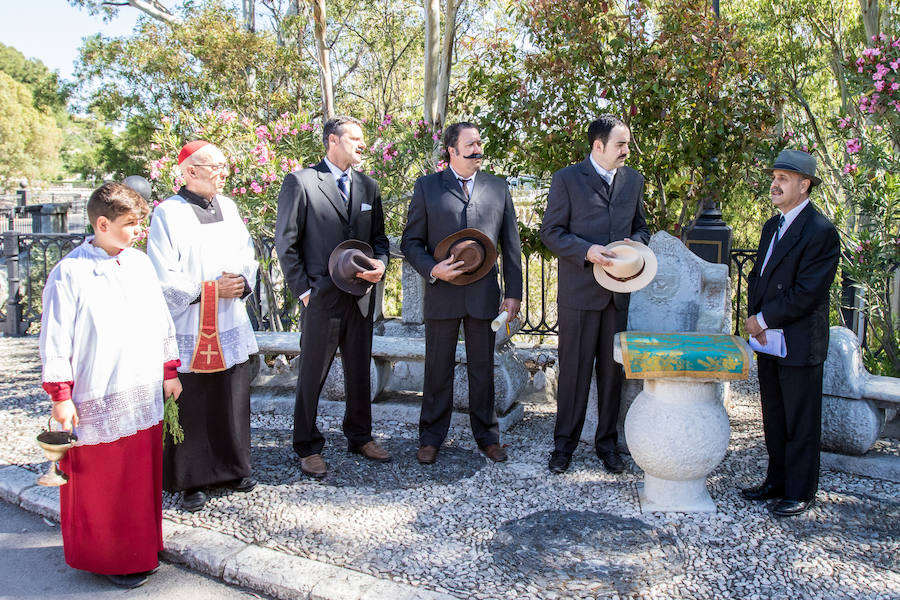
318,208
591,204
457,198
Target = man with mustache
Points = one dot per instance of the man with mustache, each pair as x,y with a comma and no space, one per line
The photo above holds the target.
591,204
798,256
458,198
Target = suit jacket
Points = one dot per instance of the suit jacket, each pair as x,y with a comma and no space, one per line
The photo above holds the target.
312,221
583,211
438,209
792,291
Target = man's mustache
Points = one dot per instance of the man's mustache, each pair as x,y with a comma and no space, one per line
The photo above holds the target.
474,155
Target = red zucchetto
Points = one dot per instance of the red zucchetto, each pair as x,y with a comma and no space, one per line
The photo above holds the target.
190,148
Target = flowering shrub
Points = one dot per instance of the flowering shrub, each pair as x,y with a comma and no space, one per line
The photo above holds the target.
871,184
260,155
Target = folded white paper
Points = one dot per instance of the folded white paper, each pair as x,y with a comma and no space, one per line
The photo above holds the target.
774,343
365,207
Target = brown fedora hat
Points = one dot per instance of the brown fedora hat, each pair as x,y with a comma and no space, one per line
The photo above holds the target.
474,248
347,259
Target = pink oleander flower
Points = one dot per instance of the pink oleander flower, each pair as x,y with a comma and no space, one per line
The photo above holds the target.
895,86
850,168
844,123
246,220
853,146
156,203
262,132
255,187
879,85
880,72
294,131
243,191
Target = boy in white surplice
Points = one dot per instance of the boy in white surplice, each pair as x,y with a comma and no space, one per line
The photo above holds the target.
109,354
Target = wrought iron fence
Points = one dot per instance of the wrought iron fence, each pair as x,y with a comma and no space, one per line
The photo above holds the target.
30,257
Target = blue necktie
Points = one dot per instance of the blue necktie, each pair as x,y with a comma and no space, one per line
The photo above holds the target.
778,231
342,186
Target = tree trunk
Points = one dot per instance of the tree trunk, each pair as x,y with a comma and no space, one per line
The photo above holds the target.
156,10
432,57
249,11
443,83
323,57
871,19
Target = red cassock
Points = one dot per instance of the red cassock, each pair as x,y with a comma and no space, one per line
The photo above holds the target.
111,508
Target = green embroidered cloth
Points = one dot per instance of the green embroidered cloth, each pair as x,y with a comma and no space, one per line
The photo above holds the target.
647,355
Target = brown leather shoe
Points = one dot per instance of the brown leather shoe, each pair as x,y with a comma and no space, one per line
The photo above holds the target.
495,452
314,466
427,455
372,451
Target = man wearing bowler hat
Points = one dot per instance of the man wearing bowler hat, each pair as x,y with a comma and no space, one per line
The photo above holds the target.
332,247
797,258
456,219
591,205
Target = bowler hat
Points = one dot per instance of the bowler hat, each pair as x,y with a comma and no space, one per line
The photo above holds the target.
634,266
474,248
140,185
347,259
796,161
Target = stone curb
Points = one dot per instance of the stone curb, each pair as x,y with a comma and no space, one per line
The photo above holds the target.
873,464
236,562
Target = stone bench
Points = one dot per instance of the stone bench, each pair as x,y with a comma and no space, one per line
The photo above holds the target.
855,404
389,369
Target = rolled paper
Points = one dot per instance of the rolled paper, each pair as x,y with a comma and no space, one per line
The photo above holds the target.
500,320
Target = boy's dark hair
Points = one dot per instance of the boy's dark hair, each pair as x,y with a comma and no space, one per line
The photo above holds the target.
601,127
112,200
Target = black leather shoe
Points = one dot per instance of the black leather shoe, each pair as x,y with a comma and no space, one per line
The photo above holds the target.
611,460
792,508
241,485
764,491
129,581
193,500
559,462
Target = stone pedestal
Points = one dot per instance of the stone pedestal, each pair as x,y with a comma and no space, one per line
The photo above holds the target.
677,432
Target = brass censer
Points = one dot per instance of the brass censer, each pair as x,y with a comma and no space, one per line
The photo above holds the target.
55,444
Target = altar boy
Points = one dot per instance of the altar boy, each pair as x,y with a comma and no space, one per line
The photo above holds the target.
108,351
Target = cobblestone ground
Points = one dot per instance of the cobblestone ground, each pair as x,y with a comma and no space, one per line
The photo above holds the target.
478,530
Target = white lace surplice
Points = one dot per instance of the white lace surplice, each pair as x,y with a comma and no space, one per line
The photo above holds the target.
185,253
105,327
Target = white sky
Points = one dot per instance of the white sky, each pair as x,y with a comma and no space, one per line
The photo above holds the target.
52,30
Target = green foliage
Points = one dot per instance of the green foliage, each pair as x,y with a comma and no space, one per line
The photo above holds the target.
30,139
872,187
171,424
48,92
686,83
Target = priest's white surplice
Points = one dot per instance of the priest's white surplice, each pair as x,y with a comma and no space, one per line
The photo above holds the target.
105,327
185,253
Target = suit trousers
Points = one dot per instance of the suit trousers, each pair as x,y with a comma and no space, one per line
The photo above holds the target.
441,336
586,347
325,329
792,424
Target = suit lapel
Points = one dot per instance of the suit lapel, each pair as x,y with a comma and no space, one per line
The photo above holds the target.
787,241
329,188
453,186
594,179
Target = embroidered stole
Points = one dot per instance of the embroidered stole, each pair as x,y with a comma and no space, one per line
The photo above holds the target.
208,356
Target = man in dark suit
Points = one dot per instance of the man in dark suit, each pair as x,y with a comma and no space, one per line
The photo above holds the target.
591,204
318,208
796,262
444,203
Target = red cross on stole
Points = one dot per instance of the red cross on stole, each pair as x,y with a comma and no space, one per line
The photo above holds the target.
207,356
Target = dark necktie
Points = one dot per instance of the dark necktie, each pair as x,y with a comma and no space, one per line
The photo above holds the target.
465,186
342,186
778,231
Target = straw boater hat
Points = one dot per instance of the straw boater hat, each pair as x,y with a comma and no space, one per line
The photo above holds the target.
474,248
798,162
634,266
346,260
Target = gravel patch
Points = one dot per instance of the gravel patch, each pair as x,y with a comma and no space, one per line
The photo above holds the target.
474,529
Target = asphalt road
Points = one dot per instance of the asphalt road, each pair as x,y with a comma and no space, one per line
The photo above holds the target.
32,566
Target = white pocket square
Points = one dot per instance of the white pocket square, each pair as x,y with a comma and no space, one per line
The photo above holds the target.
365,206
